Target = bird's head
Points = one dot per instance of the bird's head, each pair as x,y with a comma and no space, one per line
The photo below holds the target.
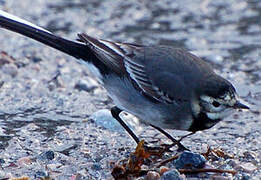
216,99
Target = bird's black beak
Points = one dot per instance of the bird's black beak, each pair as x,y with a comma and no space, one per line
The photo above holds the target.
239,105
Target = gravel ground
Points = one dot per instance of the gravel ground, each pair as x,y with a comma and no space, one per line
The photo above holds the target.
53,113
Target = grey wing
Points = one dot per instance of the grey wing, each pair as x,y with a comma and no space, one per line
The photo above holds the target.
107,52
164,86
129,61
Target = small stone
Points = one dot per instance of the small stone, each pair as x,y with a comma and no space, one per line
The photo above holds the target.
10,69
251,157
41,175
152,175
12,164
171,175
189,160
48,155
24,161
217,59
5,58
96,167
140,178
36,59
218,177
3,175
246,167
86,85
144,167
118,172
232,162
104,118
66,148
245,177
242,176
1,83
76,177
2,161
163,169
54,167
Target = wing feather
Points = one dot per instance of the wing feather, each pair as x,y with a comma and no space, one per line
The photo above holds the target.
120,57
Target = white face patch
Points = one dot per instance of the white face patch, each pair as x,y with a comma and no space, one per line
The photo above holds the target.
219,115
207,98
215,111
227,99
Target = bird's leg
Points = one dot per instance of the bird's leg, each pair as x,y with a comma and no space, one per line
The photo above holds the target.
115,112
189,134
175,142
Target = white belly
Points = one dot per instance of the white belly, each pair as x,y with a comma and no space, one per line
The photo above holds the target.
127,98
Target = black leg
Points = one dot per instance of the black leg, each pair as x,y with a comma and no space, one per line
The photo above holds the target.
115,112
175,142
189,134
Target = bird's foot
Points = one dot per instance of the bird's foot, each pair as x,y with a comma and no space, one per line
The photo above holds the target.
181,147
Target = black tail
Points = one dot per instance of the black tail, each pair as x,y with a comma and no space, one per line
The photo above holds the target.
76,49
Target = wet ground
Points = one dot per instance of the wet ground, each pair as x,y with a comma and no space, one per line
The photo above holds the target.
47,99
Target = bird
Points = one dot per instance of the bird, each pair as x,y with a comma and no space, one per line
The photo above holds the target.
163,86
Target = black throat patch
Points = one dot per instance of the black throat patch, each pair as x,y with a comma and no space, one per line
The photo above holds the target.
202,122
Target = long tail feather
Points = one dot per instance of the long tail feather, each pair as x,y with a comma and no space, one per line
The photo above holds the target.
78,50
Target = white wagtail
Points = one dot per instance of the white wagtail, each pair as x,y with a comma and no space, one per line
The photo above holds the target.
165,87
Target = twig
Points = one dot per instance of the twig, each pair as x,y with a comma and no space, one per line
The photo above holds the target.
167,160
192,171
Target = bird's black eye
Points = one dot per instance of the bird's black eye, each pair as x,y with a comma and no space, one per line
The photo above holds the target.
215,103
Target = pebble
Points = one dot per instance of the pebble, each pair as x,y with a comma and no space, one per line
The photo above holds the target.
24,161
217,59
246,167
218,177
5,58
171,175
3,174
41,175
232,162
54,167
88,84
96,166
76,177
152,175
242,176
10,69
1,83
139,178
66,148
2,161
104,118
36,59
163,169
189,160
48,155
245,177
251,157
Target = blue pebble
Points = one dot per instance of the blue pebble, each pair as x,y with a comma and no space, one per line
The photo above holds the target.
171,175
2,161
48,155
189,160
41,175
